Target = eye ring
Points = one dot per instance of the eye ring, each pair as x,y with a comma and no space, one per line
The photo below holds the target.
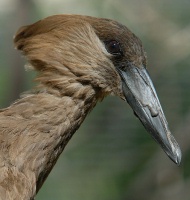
114,48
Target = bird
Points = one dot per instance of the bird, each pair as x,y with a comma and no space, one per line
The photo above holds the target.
79,61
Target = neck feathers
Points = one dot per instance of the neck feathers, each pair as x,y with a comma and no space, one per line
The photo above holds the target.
35,131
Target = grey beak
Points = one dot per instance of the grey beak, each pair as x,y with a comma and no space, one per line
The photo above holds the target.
139,92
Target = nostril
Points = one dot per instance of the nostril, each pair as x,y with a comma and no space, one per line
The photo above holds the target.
154,112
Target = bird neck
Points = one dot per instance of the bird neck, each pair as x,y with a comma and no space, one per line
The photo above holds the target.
64,97
40,125
60,118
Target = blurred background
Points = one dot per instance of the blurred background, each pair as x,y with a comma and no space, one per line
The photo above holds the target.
111,156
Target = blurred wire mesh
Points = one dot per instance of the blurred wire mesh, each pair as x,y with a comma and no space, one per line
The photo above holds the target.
111,156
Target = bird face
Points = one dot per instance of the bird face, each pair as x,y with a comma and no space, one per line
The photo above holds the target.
103,54
129,60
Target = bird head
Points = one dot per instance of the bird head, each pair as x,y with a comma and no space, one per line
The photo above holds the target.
72,51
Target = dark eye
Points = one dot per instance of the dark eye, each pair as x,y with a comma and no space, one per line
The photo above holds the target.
114,47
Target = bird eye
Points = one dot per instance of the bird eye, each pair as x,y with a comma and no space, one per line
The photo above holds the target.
114,47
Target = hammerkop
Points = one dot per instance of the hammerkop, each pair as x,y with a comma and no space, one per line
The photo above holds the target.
79,60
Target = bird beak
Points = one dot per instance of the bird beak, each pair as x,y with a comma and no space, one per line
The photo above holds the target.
140,93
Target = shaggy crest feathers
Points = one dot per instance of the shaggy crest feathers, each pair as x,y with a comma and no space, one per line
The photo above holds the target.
66,50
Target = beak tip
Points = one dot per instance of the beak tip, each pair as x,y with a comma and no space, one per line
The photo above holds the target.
176,156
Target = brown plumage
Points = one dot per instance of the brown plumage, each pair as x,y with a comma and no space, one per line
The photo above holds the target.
76,59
